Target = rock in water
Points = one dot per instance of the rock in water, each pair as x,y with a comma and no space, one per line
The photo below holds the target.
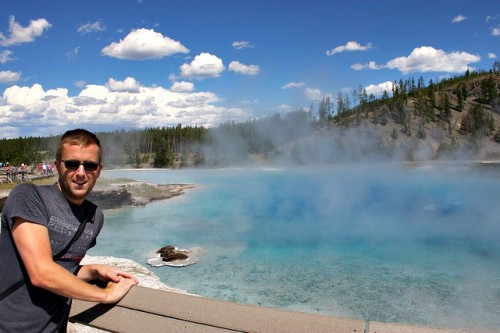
170,255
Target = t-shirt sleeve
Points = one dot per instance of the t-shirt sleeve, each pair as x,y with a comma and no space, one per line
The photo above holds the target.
26,202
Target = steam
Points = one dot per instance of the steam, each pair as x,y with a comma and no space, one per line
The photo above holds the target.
295,140
421,240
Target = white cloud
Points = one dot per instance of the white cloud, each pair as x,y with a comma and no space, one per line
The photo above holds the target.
238,67
73,53
9,76
142,44
293,85
97,105
86,100
459,18
492,56
203,65
492,17
182,86
369,65
5,56
242,45
128,85
84,29
282,108
349,46
378,89
313,94
495,31
23,96
20,34
9,131
249,102
429,59
80,84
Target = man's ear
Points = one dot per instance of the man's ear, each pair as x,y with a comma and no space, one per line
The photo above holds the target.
58,165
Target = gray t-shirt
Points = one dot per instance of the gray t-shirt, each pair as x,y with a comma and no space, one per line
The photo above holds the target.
32,309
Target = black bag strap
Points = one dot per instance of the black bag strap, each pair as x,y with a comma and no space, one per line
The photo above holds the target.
20,283
75,237
11,289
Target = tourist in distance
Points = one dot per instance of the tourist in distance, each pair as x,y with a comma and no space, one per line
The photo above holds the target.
46,231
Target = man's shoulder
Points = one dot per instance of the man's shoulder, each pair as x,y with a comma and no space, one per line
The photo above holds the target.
28,188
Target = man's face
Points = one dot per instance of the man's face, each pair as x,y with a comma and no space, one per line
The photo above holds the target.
77,184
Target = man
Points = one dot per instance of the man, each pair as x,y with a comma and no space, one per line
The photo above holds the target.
39,261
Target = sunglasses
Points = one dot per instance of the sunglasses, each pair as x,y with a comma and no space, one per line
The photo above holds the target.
75,164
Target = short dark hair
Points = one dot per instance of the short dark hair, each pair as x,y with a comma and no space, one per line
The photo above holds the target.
79,137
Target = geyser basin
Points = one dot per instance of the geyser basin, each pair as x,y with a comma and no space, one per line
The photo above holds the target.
378,242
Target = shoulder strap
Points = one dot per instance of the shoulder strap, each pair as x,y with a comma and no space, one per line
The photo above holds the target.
75,237
11,289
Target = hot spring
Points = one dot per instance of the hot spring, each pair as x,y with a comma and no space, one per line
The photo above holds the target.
382,242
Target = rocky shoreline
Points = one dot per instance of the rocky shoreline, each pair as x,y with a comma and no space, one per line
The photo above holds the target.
121,193
111,193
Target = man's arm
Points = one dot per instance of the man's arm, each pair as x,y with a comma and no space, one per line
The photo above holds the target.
32,242
102,272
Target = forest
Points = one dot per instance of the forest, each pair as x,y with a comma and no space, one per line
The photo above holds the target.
414,121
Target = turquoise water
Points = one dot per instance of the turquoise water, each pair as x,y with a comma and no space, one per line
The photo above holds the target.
379,242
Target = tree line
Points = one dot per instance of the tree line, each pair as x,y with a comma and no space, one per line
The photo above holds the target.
413,107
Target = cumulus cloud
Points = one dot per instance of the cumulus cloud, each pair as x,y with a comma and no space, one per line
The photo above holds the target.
127,85
142,44
9,76
203,65
23,96
313,94
20,34
112,106
182,86
238,67
293,85
459,18
349,46
242,45
378,89
86,28
429,59
86,100
426,59
492,56
370,65
495,31
5,56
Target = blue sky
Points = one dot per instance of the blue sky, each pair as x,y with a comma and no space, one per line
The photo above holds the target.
106,65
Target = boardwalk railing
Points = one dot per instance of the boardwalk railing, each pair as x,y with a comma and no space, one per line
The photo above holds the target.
20,176
152,310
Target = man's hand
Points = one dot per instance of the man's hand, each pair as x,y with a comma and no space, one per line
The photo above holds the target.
103,273
115,291
118,281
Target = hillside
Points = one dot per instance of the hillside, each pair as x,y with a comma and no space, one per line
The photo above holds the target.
457,119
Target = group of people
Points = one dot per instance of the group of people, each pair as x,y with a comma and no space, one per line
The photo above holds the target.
45,233
15,172
44,168
19,172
